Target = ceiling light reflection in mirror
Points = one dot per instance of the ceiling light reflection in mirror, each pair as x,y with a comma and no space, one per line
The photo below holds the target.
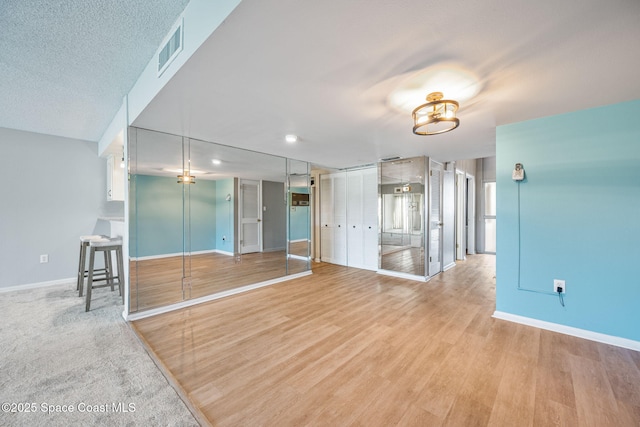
455,81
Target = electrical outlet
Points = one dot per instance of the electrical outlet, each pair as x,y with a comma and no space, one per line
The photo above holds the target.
44,259
557,283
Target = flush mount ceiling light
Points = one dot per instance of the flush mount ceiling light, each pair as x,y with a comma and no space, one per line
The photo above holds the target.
436,116
291,138
216,162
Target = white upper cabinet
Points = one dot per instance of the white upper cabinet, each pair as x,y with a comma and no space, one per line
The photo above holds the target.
115,179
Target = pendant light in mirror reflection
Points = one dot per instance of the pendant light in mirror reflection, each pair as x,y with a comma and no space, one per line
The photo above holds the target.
186,179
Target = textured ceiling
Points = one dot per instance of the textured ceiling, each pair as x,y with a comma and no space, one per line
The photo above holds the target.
321,70
66,65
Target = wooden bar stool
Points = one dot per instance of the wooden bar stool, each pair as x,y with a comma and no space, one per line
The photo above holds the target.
106,246
82,261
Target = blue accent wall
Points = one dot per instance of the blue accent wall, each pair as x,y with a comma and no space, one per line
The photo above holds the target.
225,215
203,214
579,219
159,216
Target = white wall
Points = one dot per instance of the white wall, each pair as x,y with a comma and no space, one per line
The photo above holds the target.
201,18
53,190
467,166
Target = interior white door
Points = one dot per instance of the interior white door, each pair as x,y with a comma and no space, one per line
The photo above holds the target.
471,215
461,216
448,220
435,219
250,217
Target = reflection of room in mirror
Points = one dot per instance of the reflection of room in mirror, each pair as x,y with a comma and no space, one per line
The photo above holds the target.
187,241
402,234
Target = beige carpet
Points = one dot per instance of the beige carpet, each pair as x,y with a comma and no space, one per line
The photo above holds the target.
55,358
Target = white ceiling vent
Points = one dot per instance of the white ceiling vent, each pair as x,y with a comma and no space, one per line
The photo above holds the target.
171,47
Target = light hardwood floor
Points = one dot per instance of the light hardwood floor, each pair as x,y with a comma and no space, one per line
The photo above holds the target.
350,347
158,282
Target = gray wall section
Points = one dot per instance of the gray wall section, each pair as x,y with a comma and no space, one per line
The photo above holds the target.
53,190
274,218
486,172
489,168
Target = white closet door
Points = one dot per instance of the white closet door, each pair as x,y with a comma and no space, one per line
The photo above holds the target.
370,218
355,238
340,218
326,218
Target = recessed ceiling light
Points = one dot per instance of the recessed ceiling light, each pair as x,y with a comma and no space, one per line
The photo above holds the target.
216,162
291,138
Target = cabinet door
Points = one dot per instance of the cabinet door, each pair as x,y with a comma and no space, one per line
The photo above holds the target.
110,162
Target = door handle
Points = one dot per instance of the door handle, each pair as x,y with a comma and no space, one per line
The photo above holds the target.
259,220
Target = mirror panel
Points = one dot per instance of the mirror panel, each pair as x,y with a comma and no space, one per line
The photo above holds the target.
299,219
157,214
402,231
233,224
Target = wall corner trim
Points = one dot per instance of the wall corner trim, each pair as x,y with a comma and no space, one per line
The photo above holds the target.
569,330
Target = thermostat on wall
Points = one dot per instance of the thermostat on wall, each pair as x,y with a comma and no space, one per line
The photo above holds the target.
518,173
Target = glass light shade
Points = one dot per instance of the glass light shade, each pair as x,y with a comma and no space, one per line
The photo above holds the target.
436,116
186,179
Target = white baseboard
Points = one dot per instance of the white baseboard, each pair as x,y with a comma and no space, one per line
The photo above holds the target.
449,267
569,330
38,285
208,251
403,275
299,257
221,252
299,240
188,303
